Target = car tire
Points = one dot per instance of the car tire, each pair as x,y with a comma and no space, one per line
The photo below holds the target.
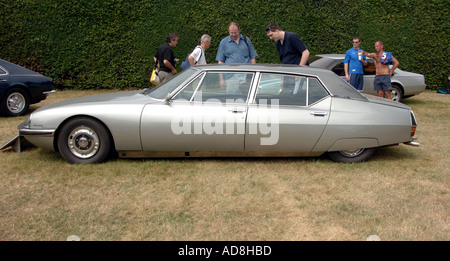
351,156
15,103
84,140
396,93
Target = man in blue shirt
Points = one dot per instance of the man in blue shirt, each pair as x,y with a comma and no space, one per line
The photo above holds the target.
291,49
353,65
235,48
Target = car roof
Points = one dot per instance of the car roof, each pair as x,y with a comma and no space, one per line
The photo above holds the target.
16,69
332,56
261,67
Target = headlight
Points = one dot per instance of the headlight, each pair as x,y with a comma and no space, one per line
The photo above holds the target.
26,124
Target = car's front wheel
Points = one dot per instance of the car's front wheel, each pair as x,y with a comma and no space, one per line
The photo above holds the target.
83,141
15,103
351,156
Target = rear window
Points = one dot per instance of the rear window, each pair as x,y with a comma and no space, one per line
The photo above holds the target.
314,58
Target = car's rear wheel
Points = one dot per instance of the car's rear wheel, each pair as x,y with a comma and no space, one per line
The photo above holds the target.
351,156
83,141
396,93
15,103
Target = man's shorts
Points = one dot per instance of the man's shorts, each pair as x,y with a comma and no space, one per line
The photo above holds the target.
382,83
357,81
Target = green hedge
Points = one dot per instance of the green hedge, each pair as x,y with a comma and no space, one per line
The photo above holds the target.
89,44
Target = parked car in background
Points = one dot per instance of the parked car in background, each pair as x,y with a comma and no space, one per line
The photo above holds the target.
404,84
225,110
20,87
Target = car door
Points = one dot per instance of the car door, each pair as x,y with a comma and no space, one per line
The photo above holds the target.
4,77
204,116
288,114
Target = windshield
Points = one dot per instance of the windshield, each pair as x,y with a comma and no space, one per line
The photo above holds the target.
161,91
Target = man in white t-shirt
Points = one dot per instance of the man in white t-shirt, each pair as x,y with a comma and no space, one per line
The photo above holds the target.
198,55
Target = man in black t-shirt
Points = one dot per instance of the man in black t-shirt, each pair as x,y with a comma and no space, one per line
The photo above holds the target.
291,49
165,58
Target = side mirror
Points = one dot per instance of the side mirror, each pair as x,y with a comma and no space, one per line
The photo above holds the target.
168,98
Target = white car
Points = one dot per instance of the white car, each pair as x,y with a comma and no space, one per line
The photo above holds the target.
404,84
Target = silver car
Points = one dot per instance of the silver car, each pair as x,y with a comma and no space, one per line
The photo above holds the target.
404,84
225,110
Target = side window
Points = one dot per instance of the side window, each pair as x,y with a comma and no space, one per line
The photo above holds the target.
189,90
370,68
2,71
288,90
316,91
339,69
224,87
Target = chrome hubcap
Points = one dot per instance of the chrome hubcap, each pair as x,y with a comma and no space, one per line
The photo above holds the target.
83,142
15,102
394,95
351,153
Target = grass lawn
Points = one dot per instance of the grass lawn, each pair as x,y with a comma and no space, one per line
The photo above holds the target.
402,193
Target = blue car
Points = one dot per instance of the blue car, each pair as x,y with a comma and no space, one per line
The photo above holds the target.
20,87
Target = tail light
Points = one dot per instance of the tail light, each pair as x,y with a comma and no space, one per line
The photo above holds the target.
413,124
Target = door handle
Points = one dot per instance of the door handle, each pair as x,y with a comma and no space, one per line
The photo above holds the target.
319,113
237,110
